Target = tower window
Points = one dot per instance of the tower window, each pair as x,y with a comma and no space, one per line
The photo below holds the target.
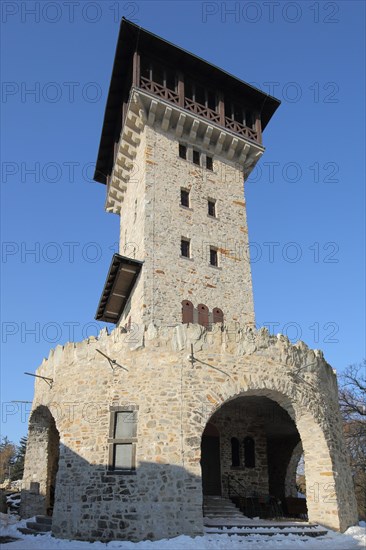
203,315
196,157
187,312
217,315
213,256
184,197
122,438
185,246
209,163
182,151
211,208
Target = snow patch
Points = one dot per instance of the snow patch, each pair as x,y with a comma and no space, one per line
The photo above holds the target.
353,538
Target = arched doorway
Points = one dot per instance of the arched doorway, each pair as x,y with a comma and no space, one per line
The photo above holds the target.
210,461
246,448
41,463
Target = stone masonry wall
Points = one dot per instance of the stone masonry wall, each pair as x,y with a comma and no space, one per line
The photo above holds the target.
175,400
230,425
153,223
132,229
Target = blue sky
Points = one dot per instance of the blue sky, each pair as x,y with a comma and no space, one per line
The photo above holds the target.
305,200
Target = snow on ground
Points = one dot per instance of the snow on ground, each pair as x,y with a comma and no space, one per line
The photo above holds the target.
353,538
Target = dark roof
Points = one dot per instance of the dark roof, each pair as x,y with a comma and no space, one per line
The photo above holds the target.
132,37
121,278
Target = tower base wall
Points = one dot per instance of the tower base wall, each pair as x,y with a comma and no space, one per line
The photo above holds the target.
174,395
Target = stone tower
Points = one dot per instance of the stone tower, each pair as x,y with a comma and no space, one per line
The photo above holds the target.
131,433
173,154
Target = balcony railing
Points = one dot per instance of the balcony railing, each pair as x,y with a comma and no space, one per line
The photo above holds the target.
239,128
199,109
159,90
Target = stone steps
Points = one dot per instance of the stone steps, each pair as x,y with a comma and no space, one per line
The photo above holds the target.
42,525
45,520
266,532
27,531
217,507
221,516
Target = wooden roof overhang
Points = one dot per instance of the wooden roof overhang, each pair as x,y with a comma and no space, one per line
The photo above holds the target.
133,38
121,278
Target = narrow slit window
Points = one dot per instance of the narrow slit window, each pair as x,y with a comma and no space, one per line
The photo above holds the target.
187,312
203,315
196,157
209,163
184,197
218,316
185,248
213,256
182,151
211,208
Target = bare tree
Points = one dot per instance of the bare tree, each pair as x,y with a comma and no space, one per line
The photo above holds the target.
7,456
352,398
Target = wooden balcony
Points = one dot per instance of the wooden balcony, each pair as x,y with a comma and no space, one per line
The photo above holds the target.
159,90
238,128
218,117
201,110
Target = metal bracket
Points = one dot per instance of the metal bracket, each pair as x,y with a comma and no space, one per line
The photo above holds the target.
194,360
112,362
49,381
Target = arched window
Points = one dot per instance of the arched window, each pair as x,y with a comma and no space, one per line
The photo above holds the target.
187,312
249,452
217,315
202,315
235,452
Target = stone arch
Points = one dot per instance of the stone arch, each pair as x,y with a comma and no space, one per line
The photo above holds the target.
323,500
290,481
41,463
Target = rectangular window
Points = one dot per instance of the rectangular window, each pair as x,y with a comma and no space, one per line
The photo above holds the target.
213,256
182,151
122,440
211,208
122,456
196,157
185,248
209,163
184,197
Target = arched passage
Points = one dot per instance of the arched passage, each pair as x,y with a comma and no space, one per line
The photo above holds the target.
41,463
329,499
263,436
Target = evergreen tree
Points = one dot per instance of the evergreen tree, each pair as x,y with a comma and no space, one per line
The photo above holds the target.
18,467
